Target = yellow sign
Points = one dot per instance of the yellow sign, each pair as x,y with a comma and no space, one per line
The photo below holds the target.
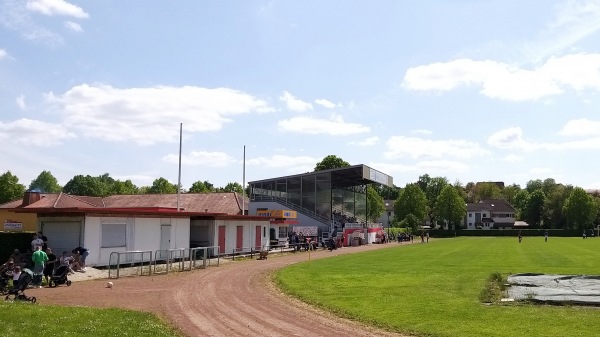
278,214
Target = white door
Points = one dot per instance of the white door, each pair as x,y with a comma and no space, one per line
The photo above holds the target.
165,239
62,236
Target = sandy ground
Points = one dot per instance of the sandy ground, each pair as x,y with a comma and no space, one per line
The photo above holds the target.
234,299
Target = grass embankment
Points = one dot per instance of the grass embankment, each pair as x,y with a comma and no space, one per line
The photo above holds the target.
26,319
435,289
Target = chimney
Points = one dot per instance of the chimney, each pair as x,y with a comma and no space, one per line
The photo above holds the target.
31,197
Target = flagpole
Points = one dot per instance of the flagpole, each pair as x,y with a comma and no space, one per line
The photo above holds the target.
179,176
244,184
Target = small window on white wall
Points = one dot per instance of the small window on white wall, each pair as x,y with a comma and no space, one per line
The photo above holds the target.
114,235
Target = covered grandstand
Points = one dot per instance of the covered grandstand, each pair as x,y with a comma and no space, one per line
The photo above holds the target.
321,198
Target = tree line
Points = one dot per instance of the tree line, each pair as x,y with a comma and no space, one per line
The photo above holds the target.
100,186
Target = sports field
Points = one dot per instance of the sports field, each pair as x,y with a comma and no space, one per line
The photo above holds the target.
434,289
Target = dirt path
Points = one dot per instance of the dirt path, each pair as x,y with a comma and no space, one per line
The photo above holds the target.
235,299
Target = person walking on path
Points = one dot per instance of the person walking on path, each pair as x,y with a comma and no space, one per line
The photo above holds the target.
39,258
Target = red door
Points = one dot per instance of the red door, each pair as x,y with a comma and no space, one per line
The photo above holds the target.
239,240
258,237
222,239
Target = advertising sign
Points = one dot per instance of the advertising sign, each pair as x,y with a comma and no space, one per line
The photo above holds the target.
13,226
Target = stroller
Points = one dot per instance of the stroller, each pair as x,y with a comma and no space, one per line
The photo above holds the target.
18,293
59,277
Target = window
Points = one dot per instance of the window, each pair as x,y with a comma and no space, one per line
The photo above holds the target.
470,215
114,235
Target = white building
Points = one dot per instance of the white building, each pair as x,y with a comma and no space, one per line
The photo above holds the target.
146,222
489,214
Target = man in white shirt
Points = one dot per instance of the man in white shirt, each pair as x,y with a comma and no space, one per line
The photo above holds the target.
37,241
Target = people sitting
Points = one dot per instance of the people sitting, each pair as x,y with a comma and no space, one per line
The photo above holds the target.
69,261
18,258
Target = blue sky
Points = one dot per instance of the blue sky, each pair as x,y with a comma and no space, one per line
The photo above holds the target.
470,90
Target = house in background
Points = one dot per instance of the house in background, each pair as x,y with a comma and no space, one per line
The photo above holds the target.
145,222
490,214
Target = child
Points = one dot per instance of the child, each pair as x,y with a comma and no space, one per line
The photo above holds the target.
16,275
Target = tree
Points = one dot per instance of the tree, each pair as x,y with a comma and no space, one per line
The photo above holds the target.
450,207
162,186
534,185
411,222
375,204
10,189
486,191
534,209
232,187
520,203
123,187
201,187
412,200
461,190
554,216
388,193
45,182
510,192
86,185
580,209
432,188
331,162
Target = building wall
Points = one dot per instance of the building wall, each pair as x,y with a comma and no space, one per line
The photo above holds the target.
248,233
142,234
28,220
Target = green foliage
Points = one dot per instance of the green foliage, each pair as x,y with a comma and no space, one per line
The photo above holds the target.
386,192
486,191
432,188
10,189
201,187
232,187
123,187
88,186
412,200
411,223
493,289
509,193
162,186
375,204
45,182
580,209
450,207
534,209
331,162
79,321
434,289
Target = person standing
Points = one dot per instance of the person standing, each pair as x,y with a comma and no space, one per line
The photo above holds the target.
546,236
39,258
520,237
49,268
37,241
44,240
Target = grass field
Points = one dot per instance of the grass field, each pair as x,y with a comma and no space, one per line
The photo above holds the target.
433,289
26,319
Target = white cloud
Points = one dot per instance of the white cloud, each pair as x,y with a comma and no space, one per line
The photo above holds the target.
20,101
367,142
202,158
581,127
295,104
430,166
400,146
3,54
325,103
507,82
510,138
14,16
422,132
56,7
513,158
73,26
540,170
334,126
34,132
298,164
151,115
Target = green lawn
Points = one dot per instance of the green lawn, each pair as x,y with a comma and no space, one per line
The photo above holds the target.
433,289
26,319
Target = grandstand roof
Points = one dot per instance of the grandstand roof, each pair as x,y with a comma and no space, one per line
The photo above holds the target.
346,176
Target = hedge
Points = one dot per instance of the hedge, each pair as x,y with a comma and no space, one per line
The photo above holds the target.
440,233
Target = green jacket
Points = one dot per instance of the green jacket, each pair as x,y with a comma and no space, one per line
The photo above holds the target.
39,257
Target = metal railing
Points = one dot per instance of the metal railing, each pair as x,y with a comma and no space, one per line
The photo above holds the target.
245,251
132,258
169,256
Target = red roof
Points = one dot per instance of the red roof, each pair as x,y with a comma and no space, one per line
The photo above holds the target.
222,203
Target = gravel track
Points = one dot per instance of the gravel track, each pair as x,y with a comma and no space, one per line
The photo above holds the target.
234,299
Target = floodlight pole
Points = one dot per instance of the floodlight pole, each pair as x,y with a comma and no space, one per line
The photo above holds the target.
244,183
179,175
